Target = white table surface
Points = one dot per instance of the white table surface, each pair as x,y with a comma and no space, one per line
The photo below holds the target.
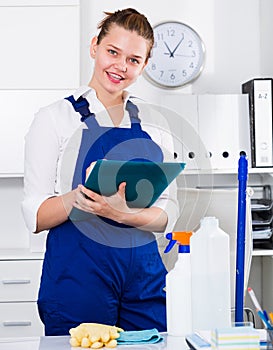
62,343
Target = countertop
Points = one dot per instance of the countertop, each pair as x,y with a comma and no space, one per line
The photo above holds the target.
62,343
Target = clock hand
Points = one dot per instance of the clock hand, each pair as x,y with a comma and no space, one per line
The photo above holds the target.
192,55
177,46
180,55
170,52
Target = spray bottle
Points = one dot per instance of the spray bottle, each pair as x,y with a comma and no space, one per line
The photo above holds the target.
178,286
210,261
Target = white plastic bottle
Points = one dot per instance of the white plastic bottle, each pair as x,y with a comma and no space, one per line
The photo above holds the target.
178,287
210,261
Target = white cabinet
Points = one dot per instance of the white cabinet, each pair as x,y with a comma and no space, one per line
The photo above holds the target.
19,280
19,284
39,45
19,320
17,109
39,63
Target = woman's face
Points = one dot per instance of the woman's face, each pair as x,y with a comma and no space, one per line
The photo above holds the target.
119,59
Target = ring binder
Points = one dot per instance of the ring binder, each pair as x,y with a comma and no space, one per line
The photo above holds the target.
260,116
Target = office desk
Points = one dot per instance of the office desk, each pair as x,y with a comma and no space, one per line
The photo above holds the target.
62,343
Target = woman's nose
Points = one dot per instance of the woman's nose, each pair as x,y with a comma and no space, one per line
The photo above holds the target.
122,65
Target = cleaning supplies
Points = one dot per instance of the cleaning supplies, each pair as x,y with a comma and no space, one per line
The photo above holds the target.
178,286
94,335
210,261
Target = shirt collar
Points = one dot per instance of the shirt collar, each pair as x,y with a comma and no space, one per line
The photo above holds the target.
81,91
84,90
97,107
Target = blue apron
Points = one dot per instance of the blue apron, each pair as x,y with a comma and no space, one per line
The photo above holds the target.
96,270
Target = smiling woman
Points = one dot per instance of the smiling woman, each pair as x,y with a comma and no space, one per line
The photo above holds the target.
85,278
121,52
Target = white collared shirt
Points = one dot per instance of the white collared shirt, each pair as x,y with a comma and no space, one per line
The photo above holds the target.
55,134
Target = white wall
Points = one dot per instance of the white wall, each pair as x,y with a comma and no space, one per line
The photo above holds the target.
236,35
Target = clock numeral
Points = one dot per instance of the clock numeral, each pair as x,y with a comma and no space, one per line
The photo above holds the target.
184,72
171,32
191,65
153,67
160,36
190,43
193,53
161,73
172,76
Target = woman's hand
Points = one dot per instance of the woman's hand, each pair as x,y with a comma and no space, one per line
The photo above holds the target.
112,207
115,208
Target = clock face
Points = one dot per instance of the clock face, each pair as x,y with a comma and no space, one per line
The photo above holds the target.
177,56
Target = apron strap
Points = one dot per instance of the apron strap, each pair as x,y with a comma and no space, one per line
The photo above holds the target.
81,106
133,113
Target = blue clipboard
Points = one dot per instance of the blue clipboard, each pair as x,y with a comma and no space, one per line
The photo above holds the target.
145,180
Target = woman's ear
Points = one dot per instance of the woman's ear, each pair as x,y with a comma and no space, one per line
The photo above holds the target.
93,46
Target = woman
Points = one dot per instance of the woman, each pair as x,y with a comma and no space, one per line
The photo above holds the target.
105,266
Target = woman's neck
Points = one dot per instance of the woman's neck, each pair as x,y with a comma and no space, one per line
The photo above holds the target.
106,98
112,103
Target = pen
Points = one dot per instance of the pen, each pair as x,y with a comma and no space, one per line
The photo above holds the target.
266,316
264,320
271,317
262,314
254,299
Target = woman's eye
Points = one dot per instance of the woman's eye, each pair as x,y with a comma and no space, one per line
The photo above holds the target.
112,52
134,60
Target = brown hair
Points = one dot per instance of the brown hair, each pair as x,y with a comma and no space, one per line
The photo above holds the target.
131,20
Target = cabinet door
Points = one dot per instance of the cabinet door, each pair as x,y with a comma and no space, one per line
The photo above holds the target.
39,46
17,109
19,280
20,320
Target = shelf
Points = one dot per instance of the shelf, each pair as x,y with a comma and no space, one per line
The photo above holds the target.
20,254
11,175
262,252
185,172
260,171
225,171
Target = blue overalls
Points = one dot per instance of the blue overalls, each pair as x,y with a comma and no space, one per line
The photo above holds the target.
96,270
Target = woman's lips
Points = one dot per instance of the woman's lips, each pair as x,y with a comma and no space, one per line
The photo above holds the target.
115,78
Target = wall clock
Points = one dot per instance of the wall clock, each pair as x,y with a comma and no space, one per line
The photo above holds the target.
177,57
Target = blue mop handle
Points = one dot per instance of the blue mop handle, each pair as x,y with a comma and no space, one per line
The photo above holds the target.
240,256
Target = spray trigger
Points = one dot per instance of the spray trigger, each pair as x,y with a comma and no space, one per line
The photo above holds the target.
171,243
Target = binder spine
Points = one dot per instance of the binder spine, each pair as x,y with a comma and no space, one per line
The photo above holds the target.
260,117
248,88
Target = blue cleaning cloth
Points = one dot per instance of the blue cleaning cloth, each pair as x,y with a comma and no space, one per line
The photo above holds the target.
148,336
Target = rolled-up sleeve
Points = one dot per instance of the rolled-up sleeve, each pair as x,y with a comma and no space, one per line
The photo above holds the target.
41,157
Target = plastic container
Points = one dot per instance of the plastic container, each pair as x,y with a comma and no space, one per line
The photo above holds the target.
210,261
178,287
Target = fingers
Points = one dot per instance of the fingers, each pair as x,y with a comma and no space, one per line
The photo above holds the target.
84,200
121,189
